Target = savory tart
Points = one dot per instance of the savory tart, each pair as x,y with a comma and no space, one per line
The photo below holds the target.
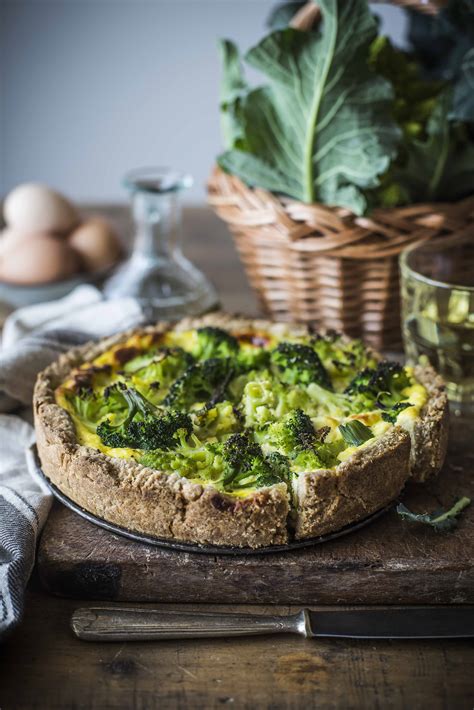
229,431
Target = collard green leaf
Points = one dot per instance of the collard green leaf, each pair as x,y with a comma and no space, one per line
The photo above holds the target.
441,520
463,97
444,46
322,127
439,42
233,88
440,167
415,96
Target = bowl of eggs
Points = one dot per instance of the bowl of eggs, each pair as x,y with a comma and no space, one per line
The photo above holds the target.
46,249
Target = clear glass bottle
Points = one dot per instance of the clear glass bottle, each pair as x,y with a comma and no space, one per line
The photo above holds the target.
167,285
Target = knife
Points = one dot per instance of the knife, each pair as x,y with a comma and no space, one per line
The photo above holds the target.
129,624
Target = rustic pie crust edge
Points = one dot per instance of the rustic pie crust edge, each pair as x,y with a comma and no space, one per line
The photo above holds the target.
164,505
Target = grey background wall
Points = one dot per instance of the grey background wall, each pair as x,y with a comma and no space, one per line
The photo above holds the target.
92,88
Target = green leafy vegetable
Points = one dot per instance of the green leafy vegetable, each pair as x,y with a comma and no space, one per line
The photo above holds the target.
324,127
304,445
144,426
441,520
380,387
393,411
299,364
440,43
232,91
236,412
440,167
355,432
215,342
463,98
204,381
90,408
215,420
293,433
245,464
321,129
415,96
436,158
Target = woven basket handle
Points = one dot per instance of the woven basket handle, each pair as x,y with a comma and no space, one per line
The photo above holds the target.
310,14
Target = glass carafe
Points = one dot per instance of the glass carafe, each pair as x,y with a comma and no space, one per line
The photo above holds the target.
167,285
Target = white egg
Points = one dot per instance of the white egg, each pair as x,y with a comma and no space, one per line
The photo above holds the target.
36,208
96,243
37,261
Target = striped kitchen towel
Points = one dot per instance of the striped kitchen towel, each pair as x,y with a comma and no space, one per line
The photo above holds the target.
33,337
24,506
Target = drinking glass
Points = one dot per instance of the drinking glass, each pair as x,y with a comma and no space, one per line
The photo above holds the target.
437,285
167,285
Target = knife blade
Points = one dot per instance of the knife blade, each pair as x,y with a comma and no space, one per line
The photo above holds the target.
128,624
394,622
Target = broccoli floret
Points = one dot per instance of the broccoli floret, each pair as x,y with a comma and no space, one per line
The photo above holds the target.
250,359
154,371
233,465
202,382
259,403
116,434
301,429
214,342
245,464
340,357
304,445
275,470
239,450
299,364
387,377
165,432
216,420
144,426
380,387
307,460
391,414
294,433
91,408
243,460
87,406
360,382
191,460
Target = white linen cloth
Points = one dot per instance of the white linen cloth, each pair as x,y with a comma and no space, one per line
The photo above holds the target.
33,337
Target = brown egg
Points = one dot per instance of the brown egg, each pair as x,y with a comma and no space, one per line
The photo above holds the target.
10,237
96,243
39,260
36,208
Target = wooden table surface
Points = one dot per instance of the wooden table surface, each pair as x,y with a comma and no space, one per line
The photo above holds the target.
42,665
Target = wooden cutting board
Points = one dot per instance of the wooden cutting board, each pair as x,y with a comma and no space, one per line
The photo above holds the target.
390,561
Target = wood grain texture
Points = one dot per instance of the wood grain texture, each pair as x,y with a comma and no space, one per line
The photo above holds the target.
58,671
391,561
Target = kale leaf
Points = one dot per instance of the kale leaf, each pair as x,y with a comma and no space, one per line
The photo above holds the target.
441,520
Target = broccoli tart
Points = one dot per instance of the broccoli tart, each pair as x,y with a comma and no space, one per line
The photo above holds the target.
229,431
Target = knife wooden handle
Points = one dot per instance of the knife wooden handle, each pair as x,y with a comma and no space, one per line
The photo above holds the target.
115,624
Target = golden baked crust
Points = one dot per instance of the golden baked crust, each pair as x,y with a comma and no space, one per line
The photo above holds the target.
166,505
370,479
430,436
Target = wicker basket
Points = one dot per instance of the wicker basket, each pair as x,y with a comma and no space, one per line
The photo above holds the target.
322,265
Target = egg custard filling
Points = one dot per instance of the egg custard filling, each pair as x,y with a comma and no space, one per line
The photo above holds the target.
238,411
